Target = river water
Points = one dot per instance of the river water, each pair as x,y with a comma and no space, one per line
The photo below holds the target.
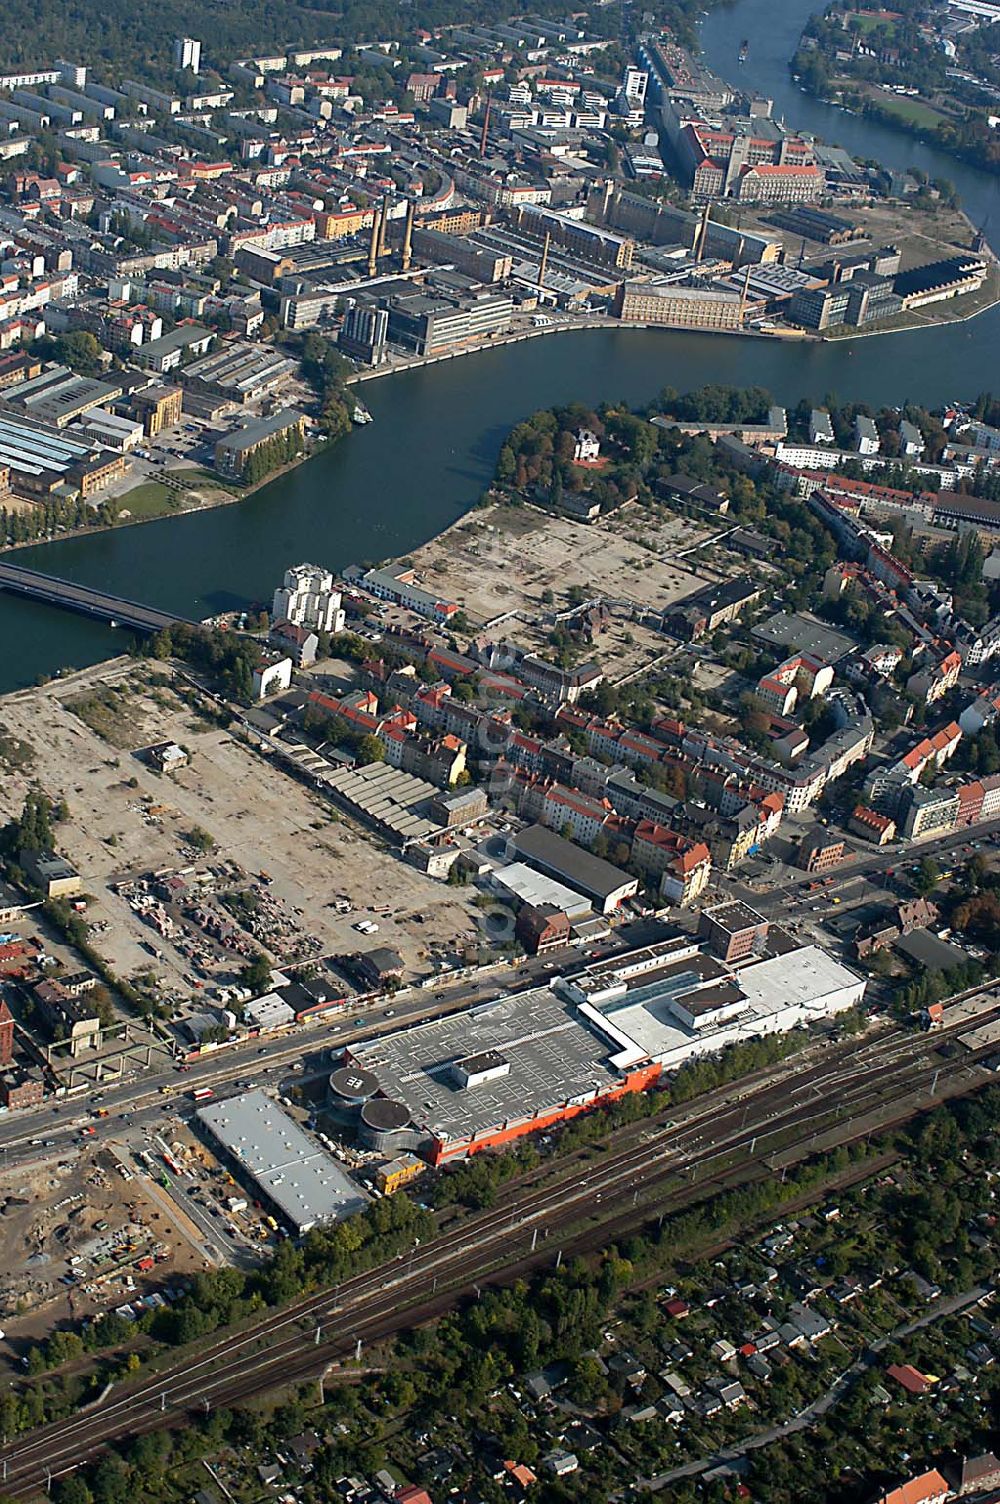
433,444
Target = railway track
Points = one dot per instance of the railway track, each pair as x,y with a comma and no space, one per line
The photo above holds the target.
665,1173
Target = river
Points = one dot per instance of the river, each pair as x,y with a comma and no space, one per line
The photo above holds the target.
432,447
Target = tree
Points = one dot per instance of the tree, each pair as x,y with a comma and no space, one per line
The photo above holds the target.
73,1490
80,350
256,973
928,876
370,749
110,1483
506,466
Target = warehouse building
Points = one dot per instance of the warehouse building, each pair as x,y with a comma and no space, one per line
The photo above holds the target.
239,373
518,883
40,459
56,396
605,885
306,1187
521,1063
482,1078
234,450
397,804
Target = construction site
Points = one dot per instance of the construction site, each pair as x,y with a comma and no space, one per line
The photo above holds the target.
186,875
84,1233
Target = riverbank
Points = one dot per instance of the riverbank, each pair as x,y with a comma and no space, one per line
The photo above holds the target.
219,496
913,117
581,326
430,454
906,322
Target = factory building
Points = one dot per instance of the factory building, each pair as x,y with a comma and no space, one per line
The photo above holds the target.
304,1184
679,307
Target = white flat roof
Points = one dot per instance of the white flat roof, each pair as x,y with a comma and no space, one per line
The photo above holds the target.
304,1182
535,888
779,993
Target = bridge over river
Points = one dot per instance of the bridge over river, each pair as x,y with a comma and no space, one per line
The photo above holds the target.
96,603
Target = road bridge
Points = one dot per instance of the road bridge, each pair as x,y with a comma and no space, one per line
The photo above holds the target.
81,598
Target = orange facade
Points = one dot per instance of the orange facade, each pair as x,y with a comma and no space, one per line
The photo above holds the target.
636,1080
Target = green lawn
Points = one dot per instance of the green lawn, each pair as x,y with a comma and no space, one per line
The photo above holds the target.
867,23
913,111
149,500
202,478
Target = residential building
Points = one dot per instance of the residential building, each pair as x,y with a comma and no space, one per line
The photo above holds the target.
187,54
541,928
866,437
819,855
587,446
931,683
925,1488
6,1036
21,1088
929,811
982,712
307,598
271,678
820,427
872,826
299,643
911,440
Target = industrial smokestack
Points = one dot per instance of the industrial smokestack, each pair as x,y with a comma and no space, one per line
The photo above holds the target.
545,261
373,243
383,227
702,233
486,126
746,288
408,234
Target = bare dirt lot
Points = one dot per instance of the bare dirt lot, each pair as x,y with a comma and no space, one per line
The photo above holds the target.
520,563
73,1232
228,807
921,235
502,558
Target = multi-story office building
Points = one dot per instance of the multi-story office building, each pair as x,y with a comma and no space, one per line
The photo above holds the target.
364,333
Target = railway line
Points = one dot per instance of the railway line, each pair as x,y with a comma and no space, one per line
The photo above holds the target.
723,1142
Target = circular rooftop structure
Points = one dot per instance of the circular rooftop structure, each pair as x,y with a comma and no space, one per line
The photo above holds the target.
352,1085
382,1115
